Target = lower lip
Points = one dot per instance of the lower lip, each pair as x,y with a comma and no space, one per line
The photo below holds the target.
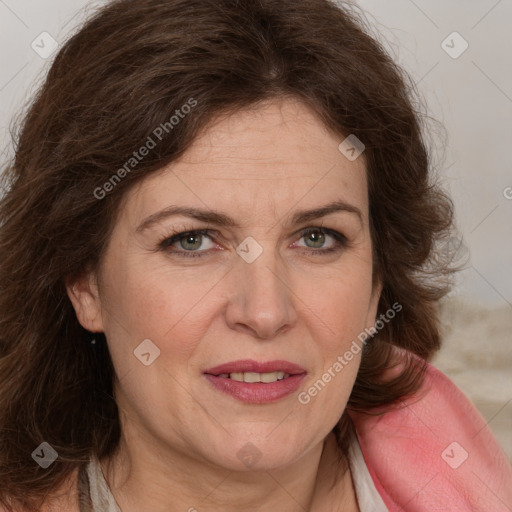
257,392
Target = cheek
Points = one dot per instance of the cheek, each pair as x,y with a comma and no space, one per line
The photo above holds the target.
339,304
167,306
336,317
168,311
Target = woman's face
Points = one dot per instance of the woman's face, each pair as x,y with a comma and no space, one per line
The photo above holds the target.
253,287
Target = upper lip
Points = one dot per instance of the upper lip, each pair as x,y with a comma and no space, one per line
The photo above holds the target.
249,365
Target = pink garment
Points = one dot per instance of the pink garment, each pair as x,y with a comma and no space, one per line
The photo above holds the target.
435,455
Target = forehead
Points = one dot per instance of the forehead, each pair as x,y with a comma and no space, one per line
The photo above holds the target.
268,158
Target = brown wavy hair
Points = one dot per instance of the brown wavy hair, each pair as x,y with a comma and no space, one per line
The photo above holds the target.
126,72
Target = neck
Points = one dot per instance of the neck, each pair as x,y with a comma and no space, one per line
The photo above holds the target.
143,476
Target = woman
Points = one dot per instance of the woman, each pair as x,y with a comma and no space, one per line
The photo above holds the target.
219,280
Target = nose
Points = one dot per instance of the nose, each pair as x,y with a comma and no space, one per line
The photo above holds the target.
261,301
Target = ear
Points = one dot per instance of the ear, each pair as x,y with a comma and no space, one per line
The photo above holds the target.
84,295
374,303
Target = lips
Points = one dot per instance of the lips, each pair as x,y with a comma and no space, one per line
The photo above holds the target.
256,392
249,365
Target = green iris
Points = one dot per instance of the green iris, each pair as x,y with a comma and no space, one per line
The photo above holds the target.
190,238
317,237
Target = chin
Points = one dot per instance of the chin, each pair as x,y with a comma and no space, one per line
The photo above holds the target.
256,453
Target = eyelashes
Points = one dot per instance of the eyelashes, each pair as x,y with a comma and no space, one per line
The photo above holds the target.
167,244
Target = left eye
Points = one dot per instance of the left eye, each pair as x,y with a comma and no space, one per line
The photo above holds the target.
317,237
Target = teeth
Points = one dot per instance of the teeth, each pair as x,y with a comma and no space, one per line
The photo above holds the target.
256,377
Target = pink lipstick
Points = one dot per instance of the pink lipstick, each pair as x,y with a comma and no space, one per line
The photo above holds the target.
256,382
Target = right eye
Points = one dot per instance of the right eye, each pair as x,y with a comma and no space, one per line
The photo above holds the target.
188,241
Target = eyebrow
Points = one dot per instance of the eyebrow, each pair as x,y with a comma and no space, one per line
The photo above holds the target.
220,219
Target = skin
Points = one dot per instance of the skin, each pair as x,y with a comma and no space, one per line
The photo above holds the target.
180,436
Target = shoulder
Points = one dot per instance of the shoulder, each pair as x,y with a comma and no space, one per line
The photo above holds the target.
439,444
